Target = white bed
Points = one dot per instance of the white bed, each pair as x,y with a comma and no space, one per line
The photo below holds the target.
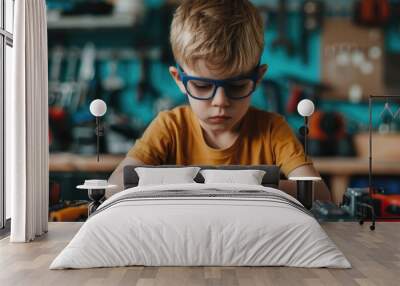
224,225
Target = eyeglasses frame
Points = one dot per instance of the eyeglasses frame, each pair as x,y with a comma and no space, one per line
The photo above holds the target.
218,82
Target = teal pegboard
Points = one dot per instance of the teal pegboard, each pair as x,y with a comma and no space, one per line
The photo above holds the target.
280,64
392,39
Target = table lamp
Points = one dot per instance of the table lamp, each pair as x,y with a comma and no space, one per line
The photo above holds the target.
96,188
305,184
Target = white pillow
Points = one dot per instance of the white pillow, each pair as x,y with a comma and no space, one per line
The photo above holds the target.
162,176
248,177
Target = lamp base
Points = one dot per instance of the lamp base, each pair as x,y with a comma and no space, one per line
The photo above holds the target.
305,193
97,197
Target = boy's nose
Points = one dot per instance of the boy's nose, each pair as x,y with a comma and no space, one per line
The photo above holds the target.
220,98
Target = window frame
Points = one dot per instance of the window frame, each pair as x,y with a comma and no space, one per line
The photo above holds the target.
6,39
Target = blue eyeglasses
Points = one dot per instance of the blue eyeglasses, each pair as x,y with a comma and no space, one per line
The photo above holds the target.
205,88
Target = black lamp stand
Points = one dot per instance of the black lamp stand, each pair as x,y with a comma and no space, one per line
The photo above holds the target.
305,187
99,132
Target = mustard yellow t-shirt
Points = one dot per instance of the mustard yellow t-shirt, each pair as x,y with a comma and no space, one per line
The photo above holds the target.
175,137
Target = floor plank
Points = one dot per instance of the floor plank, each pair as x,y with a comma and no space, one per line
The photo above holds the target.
375,257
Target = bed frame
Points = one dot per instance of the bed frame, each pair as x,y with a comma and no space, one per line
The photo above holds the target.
270,179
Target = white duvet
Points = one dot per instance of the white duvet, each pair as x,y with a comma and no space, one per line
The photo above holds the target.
183,231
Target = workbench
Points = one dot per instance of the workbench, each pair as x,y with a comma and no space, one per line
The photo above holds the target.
339,170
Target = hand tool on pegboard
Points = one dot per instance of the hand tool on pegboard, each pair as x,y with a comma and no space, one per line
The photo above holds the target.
312,15
273,95
282,41
145,86
373,13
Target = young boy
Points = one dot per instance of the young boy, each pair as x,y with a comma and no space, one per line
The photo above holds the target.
217,45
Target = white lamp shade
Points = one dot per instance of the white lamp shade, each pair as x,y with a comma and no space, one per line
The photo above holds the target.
305,107
98,107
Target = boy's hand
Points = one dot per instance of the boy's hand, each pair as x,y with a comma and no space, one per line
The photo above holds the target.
321,190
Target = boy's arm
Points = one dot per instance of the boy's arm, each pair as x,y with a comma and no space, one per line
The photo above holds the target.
289,154
151,149
321,190
116,177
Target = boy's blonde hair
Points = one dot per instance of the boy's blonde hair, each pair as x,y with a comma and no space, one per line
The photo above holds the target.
227,34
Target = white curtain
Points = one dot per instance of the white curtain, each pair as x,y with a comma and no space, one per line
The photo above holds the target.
27,124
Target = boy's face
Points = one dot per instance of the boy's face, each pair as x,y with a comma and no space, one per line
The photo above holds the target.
219,114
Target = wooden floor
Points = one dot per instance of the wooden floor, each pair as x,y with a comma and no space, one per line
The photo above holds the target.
375,257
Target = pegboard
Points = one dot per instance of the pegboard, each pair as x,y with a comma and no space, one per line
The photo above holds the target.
351,60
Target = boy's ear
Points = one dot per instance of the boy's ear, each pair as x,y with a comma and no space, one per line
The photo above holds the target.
175,75
261,72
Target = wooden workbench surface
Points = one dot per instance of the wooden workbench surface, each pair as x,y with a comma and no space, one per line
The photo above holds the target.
374,255
340,169
355,166
68,162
